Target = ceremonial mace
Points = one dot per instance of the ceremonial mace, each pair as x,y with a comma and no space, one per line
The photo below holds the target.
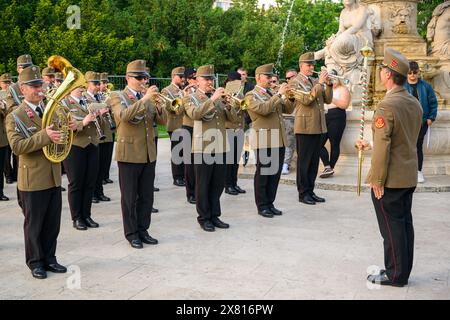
366,51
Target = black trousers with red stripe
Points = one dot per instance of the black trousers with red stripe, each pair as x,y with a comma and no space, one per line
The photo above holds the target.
267,176
396,227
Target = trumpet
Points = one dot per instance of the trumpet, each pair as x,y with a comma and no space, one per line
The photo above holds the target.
175,103
333,75
241,103
296,94
93,109
104,95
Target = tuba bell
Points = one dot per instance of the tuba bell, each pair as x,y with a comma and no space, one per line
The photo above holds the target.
58,115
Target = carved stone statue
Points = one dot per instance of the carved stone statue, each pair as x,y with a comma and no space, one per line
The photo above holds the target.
342,49
400,17
438,31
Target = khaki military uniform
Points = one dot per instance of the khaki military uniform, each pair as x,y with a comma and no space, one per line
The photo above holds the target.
174,122
268,137
394,163
209,146
309,125
14,97
136,157
135,134
3,147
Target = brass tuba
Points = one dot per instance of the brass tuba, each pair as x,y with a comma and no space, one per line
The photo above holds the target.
55,113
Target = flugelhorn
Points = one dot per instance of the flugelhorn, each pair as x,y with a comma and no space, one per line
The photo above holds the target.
94,108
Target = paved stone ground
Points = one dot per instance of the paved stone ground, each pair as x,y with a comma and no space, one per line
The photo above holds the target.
319,252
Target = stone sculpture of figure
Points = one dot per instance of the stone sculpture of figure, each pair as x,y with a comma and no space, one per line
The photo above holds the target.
438,32
342,49
400,17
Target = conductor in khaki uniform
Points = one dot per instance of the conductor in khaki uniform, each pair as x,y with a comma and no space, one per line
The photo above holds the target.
210,112
39,180
393,172
309,125
174,122
135,111
268,137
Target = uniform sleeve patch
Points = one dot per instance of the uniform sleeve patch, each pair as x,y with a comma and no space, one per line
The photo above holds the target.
379,123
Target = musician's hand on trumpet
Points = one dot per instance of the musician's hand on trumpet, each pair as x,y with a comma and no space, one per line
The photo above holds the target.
151,92
219,93
284,88
324,78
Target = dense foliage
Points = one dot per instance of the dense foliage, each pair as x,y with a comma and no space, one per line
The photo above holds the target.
167,32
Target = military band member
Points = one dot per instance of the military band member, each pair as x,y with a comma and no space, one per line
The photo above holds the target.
235,136
209,113
81,164
106,146
309,125
174,122
13,100
134,111
48,74
3,138
188,126
393,173
92,95
5,83
289,125
269,138
39,180
59,78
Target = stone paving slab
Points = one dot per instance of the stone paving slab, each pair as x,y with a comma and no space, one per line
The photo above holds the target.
310,252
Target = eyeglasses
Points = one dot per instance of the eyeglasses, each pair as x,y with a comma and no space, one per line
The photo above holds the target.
139,78
274,81
288,78
413,72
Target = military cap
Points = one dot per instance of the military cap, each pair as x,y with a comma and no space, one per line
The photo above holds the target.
178,71
48,71
104,76
31,76
24,61
265,69
190,73
92,76
307,57
395,61
5,77
138,68
206,71
59,76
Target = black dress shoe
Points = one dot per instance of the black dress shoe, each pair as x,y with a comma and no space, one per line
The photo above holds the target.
219,223
91,223
104,198
316,198
149,240
154,210
3,198
95,200
63,189
191,199
39,273
307,199
155,189
136,243
239,189
56,268
208,226
276,212
383,280
79,224
179,182
107,180
266,213
231,190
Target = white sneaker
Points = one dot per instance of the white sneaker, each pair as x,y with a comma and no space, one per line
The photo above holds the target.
285,169
420,178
